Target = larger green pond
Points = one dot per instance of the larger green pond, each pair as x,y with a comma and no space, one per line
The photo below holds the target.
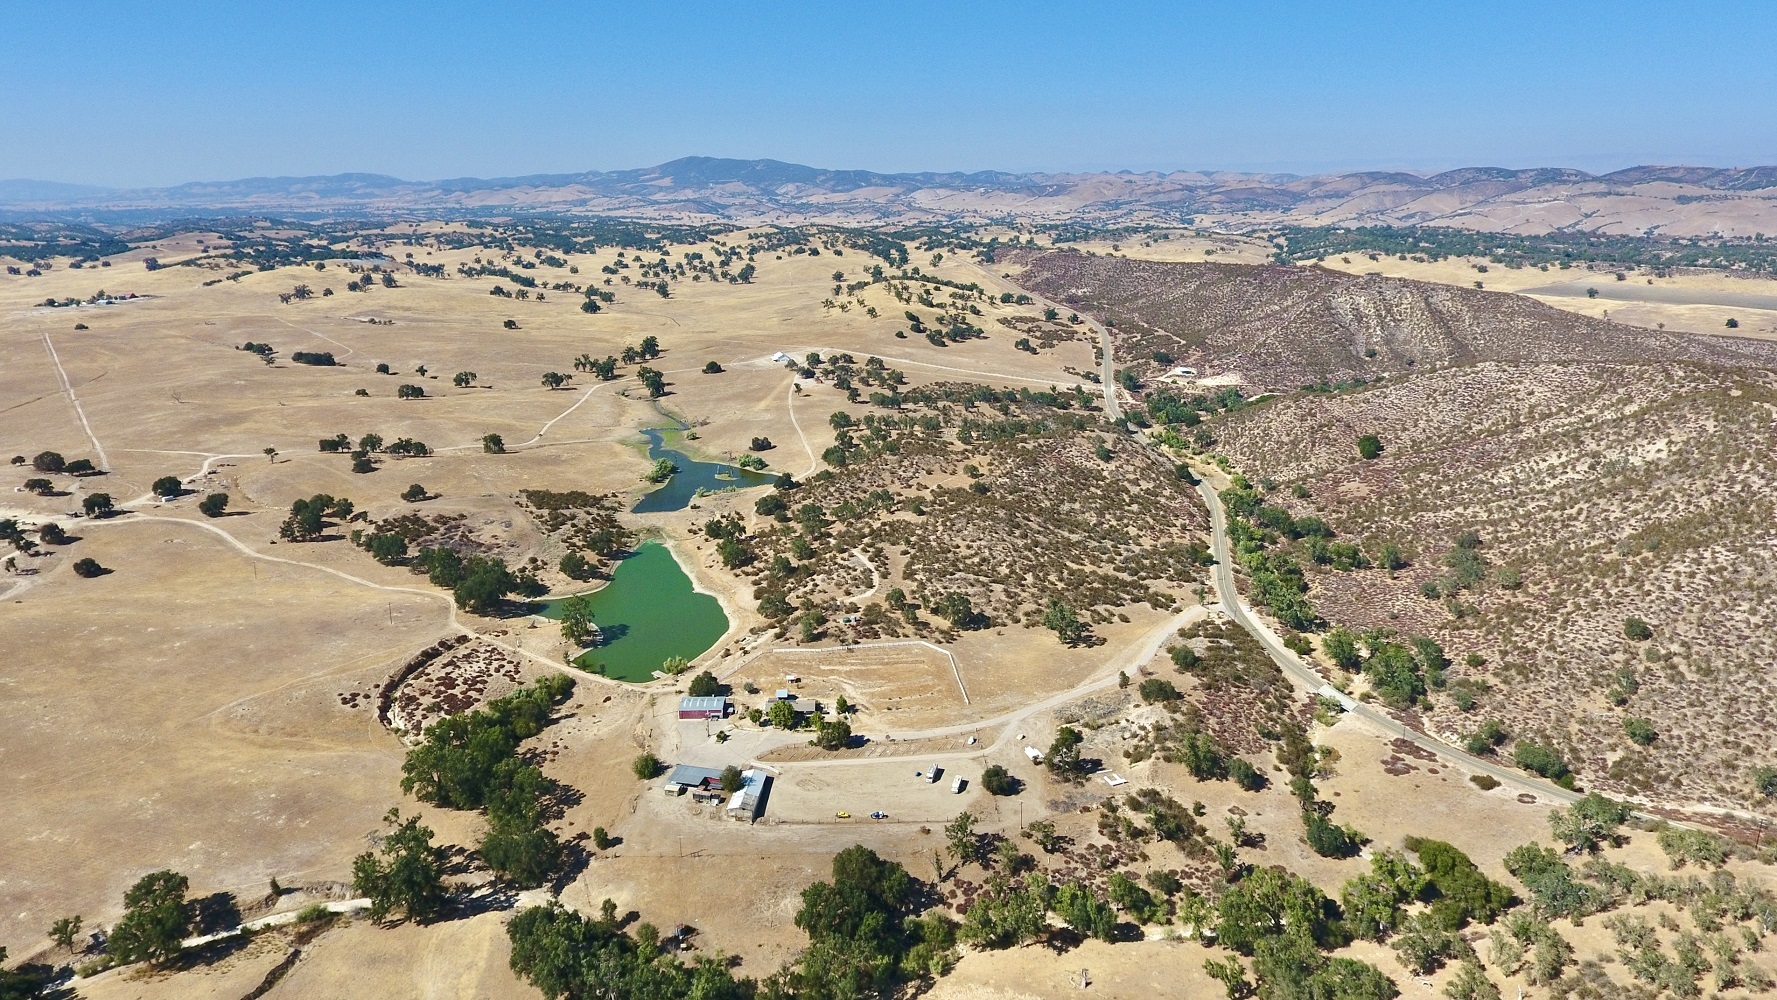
646,614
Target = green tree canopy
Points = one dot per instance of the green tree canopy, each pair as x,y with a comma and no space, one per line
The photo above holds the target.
576,620
1460,891
1590,823
156,919
406,876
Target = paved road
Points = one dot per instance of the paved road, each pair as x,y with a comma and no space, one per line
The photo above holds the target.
1304,676
1297,671
1107,371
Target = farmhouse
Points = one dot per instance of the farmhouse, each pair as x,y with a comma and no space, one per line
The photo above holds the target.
801,706
714,707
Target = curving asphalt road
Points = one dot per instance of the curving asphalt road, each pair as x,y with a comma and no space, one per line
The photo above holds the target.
1299,673
1306,677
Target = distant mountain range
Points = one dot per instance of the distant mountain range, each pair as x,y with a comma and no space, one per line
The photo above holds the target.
1671,201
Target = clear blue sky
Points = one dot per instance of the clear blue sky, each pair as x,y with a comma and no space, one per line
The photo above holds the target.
164,92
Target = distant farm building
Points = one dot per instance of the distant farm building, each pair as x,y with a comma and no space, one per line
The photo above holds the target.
713,707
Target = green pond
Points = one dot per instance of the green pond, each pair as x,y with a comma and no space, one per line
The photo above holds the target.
693,476
646,614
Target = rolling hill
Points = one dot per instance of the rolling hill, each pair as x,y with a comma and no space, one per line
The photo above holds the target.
1606,473
1672,201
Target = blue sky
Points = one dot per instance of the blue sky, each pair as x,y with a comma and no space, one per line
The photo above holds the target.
159,93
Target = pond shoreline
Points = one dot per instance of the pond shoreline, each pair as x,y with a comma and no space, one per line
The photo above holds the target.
656,608
694,477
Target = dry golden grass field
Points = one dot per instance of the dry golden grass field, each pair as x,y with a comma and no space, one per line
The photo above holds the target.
975,556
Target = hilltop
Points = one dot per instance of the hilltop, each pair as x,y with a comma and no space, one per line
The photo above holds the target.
1675,201
1280,327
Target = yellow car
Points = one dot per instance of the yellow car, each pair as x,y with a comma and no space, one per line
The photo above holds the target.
843,815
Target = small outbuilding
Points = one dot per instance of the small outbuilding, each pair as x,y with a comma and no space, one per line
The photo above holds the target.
713,707
744,805
689,778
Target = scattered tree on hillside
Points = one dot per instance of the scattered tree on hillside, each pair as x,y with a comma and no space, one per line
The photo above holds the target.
653,380
64,932
1589,824
1066,625
156,919
406,876
575,566
998,781
1063,757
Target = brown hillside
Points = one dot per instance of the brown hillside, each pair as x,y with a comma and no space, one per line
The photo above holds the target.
1613,491
1284,327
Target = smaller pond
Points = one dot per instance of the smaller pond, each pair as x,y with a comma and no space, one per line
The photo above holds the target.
646,614
693,476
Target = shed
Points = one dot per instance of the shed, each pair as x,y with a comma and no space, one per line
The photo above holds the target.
713,707
1035,755
688,776
745,803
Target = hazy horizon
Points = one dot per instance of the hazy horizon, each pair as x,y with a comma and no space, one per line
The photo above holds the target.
1420,172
